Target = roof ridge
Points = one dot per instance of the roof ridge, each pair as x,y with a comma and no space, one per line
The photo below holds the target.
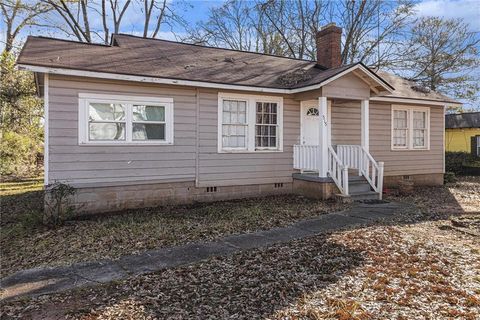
72,41
461,113
210,47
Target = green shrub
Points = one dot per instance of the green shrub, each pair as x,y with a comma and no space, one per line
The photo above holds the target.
449,177
454,162
18,154
58,206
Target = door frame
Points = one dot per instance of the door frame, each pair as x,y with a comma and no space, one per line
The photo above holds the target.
329,119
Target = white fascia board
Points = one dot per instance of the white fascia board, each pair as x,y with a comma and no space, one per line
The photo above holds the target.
202,84
414,101
114,76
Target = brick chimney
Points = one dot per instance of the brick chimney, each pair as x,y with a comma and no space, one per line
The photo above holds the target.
328,46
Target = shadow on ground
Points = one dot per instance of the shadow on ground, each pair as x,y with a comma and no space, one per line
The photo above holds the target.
222,287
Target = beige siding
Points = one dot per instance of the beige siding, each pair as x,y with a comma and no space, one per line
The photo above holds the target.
99,164
102,164
346,123
348,86
220,169
405,162
346,126
183,161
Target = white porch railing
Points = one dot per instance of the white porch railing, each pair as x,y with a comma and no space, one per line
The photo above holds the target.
357,157
337,171
306,157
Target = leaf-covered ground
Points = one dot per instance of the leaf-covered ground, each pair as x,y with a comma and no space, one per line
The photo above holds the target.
427,269
26,244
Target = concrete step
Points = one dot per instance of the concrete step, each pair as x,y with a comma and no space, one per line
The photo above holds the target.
358,184
355,178
359,196
359,187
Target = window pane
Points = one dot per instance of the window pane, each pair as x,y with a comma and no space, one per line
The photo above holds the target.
419,120
234,112
266,128
234,136
400,119
273,142
419,138
400,137
148,113
242,106
106,131
148,131
106,111
312,112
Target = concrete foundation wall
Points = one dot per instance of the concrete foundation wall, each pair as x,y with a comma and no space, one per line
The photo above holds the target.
113,198
434,179
315,189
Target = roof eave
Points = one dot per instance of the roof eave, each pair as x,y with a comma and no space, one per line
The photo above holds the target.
125,77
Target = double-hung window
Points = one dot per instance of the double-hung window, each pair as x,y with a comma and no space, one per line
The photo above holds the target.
266,125
234,126
400,128
249,123
410,127
105,119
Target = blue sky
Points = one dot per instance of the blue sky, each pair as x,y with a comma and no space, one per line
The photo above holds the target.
194,11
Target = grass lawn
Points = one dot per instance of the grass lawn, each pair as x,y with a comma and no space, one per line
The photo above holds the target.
428,268
26,243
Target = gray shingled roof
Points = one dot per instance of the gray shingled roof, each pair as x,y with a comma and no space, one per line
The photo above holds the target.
130,55
462,120
409,90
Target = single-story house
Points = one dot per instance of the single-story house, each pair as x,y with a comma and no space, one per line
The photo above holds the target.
142,122
462,132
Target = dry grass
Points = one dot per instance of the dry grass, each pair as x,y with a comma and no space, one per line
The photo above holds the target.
26,244
423,270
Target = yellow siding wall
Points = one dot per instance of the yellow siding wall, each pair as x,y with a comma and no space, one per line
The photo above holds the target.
460,139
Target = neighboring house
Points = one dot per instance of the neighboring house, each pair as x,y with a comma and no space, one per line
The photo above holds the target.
143,122
462,132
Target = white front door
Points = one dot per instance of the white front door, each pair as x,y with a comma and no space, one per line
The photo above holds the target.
310,123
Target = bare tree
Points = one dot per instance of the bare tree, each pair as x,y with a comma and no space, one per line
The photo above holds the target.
373,29
442,55
296,22
74,16
117,11
228,26
17,15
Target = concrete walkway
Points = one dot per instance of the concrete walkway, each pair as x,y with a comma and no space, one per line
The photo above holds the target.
40,281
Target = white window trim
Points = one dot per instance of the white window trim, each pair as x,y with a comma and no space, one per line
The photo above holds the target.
251,122
410,110
85,98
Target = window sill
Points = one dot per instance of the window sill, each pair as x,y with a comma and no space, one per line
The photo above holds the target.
247,151
410,149
119,144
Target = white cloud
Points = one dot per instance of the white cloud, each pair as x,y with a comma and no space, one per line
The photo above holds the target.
466,9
